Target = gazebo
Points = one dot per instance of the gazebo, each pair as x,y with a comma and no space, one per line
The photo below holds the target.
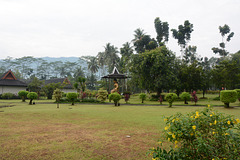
115,75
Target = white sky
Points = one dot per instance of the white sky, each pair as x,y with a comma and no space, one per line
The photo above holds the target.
65,28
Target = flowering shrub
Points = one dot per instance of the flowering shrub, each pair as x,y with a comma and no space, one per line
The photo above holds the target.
200,135
194,97
170,97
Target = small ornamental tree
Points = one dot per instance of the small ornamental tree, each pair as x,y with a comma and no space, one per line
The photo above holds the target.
171,97
142,96
57,94
115,97
194,97
102,95
32,96
228,96
199,135
127,96
238,94
72,96
185,96
23,94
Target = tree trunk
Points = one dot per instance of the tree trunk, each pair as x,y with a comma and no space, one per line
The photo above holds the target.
30,102
226,105
57,105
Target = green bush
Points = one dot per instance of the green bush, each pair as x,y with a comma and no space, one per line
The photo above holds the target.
228,96
32,96
57,95
102,95
238,93
72,97
185,96
23,94
171,97
142,96
115,97
7,96
199,135
216,98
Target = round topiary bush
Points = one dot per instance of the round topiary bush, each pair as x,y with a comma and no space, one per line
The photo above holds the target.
115,97
102,95
23,94
238,94
72,96
185,96
171,97
228,96
142,96
199,135
32,96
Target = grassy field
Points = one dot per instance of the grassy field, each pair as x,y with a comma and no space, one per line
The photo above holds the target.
84,131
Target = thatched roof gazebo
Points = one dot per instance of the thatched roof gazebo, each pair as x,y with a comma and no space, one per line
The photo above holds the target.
115,75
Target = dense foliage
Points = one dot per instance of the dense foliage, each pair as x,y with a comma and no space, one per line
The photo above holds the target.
115,97
227,97
72,97
185,96
23,94
170,98
142,96
200,135
102,95
32,96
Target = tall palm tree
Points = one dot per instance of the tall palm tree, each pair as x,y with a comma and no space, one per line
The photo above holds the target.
101,62
93,64
111,56
138,34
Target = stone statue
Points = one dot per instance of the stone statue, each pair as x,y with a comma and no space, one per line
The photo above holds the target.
115,89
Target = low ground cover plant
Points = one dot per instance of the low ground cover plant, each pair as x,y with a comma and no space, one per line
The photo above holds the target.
204,134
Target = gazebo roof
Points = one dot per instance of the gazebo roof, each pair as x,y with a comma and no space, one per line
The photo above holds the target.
115,74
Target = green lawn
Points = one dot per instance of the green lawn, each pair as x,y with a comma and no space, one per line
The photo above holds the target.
83,131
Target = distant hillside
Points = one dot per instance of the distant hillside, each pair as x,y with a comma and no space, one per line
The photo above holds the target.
63,59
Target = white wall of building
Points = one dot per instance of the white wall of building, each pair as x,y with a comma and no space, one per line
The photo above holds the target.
11,89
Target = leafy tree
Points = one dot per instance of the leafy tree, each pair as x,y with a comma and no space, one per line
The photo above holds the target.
183,34
49,89
224,30
72,96
57,94
145,43
80,85
162,29
91,82
35,85
23,94
111,56
154,70
138,34
126,52
32,96
228,96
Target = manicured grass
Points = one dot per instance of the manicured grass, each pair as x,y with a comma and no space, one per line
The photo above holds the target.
83,131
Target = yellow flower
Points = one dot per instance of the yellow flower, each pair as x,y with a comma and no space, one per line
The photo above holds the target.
173,120
176,142
213,113
228,122
213,132
154,159
215,122
160,142
176,146
237,121
173,136
191,117
168,139
165,119
197,112
177,119
226,134
166,128
191,134
169,132
210,124
210,115
197,116
208,105
193,127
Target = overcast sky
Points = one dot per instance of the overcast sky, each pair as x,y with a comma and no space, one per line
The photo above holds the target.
65,28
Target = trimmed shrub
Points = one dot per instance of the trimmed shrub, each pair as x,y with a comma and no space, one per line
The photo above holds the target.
238,94
227,97
115,97
171,97
32,96
185,96
23,94
142,96
102,95
72,97
199,135
7,96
